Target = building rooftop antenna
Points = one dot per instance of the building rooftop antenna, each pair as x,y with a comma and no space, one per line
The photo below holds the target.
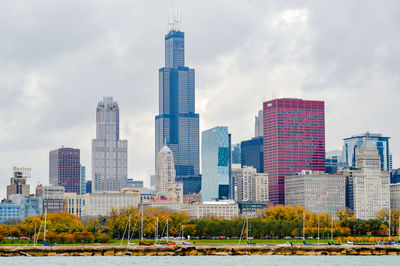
175,20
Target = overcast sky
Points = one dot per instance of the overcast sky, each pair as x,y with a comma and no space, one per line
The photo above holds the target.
59,58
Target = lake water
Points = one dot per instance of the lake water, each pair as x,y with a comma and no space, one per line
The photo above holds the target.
204,260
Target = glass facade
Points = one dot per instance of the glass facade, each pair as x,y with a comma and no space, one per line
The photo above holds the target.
381,143
83,179
177,124
294,140
236,153
191,184
252,154
216,180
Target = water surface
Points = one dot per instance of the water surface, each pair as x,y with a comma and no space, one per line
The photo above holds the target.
203,260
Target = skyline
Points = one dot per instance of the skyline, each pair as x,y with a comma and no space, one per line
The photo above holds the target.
52,84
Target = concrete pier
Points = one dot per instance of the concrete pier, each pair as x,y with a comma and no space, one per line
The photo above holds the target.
197,250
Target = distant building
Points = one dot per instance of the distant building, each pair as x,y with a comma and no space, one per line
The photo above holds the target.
395,176
191,184
252,154
191,198
294,139
82,179
101,203
175,191
10,211
152,181
381,143
64,169
236,153
226,209
259,125
369,190
250,209
29,206
316,191
18,183
89,186
395,196
165,169
135,183
332,165
252,186
163,204
52,196
216,180
147,195
109,152
236,170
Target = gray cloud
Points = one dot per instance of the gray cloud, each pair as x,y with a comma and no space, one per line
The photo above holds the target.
58,59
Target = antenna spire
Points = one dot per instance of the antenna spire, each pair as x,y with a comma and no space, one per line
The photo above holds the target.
175,19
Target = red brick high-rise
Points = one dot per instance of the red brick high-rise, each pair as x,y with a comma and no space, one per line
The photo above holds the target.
294,140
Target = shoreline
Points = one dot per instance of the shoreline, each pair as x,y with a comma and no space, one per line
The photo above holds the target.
199,250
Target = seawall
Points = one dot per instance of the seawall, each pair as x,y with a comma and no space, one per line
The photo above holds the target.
198,250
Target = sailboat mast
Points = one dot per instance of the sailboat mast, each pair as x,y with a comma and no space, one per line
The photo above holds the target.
247,229
141,231
44,233
304,224
167,231
318,230
332,228
129,228
390,221
156,236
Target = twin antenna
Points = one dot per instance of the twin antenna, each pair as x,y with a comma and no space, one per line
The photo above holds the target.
175,18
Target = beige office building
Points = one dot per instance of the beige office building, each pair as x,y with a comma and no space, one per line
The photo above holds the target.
101,203
251,186
226,209
395,196
316,191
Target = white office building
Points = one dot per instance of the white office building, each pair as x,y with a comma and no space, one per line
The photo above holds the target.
165,170
369,184
316,191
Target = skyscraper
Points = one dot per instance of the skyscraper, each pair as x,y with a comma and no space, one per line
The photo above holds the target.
177,124
294,140
252,153
64,169
109,153
356,141
258,125
370,186
216,182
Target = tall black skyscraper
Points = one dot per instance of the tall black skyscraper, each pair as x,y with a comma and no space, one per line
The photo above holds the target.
177,123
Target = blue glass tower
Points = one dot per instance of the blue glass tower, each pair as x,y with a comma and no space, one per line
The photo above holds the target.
216,180
252,153
177,123
382,144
